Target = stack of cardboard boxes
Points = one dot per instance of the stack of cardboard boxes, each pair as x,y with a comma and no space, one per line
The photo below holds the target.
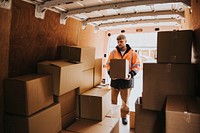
29,105
93,103
172,75
49,100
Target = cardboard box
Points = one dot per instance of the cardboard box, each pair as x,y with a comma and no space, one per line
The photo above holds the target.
45,121
95,104
25,95
108,125
68,119
160,80
81,125
148,121
97,71
67,101
119,68
65,75
86,80
182,114
85,55
132,119
111,122
174,46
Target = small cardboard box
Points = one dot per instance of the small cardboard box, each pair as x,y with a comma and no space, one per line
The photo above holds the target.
182,114
45,121
160,80
26,95
85,55
111,122
174,46
148,121
95,104
119,68
65,75
108,125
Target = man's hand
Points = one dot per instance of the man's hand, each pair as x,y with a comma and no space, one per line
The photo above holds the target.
129,77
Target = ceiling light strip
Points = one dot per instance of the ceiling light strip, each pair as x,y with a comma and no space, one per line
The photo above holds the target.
139,22
121,5
130,15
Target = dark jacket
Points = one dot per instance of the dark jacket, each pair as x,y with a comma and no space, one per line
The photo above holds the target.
122,83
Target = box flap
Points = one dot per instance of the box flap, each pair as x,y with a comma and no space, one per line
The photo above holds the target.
61,63
96,92
176,103
186,104
45,62
29,77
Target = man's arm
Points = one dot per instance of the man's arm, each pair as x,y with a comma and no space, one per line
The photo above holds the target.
135,65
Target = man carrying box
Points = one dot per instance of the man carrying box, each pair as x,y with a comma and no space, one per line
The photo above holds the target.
123,85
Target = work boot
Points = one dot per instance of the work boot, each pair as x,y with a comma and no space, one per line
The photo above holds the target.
124,121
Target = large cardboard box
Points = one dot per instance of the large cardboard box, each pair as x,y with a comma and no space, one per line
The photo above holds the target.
86,80
25,95
67,101
182,114
45,121
97,71
95,104
119,68
65,75
174,46
108,125
160,80
68,119
85,55
148,121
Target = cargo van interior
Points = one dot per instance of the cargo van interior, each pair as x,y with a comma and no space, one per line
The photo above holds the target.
32,31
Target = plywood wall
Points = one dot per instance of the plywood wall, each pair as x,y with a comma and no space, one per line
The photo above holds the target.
88,37
5,19
26,40
34,40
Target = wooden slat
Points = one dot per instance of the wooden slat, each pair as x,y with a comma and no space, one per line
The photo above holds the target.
5,22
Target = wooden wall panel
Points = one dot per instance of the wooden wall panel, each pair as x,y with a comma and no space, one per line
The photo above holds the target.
73,28
33,40
5,22
87,37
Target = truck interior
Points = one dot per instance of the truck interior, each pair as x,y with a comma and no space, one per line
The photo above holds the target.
31,31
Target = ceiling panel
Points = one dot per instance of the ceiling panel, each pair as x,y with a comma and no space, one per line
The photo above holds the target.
99,12
109,12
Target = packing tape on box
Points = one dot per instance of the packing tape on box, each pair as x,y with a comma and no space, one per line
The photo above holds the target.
187,117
